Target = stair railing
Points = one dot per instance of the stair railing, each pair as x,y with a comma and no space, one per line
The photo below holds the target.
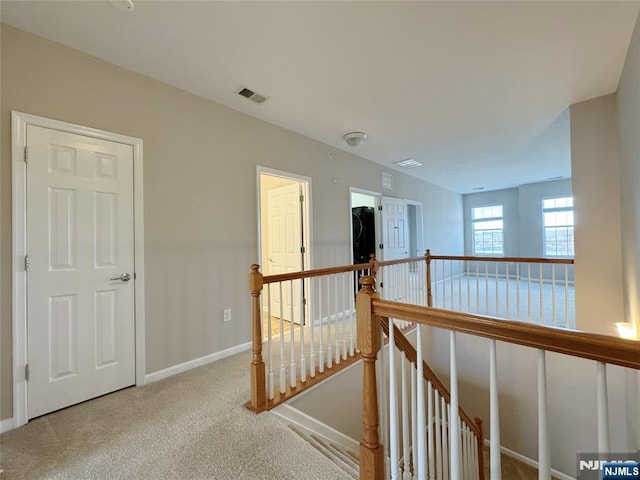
373,313
303,323
536,290
426,426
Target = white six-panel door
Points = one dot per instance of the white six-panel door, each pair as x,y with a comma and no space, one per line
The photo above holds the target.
285,241
80,241
395,238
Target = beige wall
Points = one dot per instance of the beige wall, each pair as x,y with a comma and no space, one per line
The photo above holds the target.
200,163
596,191
628,102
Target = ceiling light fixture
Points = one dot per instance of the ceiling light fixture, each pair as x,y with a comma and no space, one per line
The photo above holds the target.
123,5
354,139
408,163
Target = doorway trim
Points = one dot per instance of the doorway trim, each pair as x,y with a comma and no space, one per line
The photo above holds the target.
307,224
19,123
419,228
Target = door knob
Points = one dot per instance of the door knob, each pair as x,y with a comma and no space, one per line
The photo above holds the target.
125,277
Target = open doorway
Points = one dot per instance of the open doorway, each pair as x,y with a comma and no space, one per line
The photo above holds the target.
284,233
364,224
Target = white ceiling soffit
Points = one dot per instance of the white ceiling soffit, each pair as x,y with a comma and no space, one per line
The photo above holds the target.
476,89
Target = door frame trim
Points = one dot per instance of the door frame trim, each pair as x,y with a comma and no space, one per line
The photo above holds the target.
19,123
307,223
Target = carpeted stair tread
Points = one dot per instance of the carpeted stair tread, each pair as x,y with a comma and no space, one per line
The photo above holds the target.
332,452
336,450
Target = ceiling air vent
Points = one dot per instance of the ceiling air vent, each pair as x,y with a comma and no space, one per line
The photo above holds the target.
251,95
408,163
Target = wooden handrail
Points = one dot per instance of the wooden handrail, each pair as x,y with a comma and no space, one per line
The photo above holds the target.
559,261
405,346
318,272
591,346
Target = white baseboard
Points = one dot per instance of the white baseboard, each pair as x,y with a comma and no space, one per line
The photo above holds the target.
531,462
196,362
7,424
311,425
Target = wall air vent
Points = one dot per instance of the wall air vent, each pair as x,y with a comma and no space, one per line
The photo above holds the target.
251,95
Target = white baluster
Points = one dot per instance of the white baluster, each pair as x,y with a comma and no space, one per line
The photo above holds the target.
486,286
455,417
344,290
421,443
303,324
329,353
406,429
283,374
446,439
451,284
497,291
518,290
542,322
321,329
460,285
393,407
566,296
336,309
494,415
312,350
444,285
414,420
553,294
431,454
292,338
544,449
603,408
477,287
269,346
351,326
506,271
529,290
468,289
438,436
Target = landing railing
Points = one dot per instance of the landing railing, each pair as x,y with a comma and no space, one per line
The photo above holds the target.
373,313
304,326
536,290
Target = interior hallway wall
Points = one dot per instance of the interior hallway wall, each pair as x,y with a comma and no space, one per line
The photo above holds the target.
595,169
200,222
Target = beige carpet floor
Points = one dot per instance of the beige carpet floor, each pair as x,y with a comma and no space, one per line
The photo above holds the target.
190,426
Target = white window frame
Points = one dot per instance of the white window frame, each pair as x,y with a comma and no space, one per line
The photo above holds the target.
474,221
544,226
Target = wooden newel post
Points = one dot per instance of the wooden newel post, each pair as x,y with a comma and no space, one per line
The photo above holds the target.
369,344
427,256
258,387
480,439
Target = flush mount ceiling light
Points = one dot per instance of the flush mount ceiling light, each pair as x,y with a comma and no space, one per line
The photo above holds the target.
123,5
408,163
354,139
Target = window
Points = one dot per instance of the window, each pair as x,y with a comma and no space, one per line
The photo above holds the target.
487,230
557,215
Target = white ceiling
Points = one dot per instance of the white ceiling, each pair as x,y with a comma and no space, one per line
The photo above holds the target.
477,91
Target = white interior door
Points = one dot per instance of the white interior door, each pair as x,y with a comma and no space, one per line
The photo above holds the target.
80,242
395,239
395,228
285,248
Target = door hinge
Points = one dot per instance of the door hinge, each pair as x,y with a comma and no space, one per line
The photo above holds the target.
26,154
381,246
380,207
301,198
26,263
26,372
303,250
381,284
304,301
